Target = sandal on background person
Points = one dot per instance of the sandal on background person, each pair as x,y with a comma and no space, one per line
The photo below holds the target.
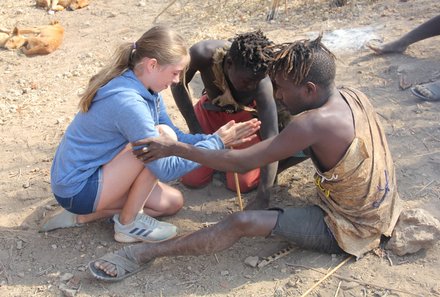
428,91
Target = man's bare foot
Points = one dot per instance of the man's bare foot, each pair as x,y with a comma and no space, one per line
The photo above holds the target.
120,264
387,48
257,204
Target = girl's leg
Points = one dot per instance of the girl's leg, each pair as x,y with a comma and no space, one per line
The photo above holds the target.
126,185
163,201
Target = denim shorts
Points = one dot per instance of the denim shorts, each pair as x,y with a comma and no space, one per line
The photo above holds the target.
86,201
306,228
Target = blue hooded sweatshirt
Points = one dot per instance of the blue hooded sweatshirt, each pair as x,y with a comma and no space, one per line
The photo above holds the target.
122,111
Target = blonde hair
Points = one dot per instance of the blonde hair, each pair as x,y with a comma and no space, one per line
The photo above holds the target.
160,43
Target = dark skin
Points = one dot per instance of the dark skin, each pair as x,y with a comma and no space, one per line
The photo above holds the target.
323,122
428,29
320,124
246,87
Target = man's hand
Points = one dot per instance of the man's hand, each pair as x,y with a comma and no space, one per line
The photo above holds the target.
233,134
150,149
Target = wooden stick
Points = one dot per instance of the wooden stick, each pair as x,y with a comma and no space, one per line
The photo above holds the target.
163,10
348,279
326,276
237,186
337,290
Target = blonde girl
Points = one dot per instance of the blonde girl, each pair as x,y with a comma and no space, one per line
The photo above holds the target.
94,172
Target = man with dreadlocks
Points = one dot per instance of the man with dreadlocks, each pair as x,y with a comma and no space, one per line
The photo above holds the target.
236,87
355,180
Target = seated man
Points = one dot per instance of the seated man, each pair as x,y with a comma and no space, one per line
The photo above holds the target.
236,87
355,180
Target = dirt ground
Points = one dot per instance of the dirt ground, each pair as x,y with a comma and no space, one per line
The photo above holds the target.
38,98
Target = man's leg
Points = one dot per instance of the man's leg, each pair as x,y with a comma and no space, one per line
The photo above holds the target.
306,228
428,29
205,241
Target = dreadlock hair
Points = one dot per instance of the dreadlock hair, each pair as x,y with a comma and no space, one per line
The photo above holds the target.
252,51
304,61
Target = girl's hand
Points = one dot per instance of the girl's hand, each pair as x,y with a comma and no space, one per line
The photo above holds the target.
233,134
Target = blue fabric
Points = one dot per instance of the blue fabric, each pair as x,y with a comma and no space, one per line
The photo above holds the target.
87,199
122,111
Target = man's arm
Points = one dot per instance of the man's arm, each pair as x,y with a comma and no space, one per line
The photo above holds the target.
201,60
184,103
267,114
298,135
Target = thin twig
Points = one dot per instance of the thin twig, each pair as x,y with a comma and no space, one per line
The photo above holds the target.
337,290
389,259
421,155
347,279
427,185
3,269
237,186
163,10
326,276
190,282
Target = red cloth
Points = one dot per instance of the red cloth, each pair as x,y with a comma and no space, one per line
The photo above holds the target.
210,122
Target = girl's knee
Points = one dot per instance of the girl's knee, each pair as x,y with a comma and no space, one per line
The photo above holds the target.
176,202
172,203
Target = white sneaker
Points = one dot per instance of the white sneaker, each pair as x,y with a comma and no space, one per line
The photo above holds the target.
143,228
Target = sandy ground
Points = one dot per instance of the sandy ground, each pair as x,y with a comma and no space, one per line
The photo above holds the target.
38,98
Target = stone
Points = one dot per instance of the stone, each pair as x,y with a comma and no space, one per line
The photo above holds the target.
66,277
251,261
415,230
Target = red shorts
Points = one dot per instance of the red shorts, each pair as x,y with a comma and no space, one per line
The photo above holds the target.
210,122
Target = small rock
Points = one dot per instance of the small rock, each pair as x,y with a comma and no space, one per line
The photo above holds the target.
67,291
82,268
251,261
416,229
19,245
292,284
66,276
349,285
74,283
279,292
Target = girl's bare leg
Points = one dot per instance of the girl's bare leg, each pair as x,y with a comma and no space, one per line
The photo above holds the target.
128,187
